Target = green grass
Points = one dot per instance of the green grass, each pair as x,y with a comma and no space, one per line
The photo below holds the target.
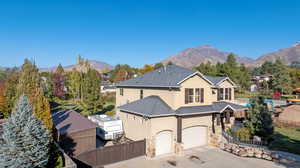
286,139
108,107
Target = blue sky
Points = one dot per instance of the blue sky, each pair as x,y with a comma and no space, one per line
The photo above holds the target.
141,32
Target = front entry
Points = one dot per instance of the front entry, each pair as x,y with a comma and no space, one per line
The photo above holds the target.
194,136
163,143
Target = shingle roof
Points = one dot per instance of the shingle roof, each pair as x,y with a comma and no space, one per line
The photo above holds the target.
215,80
154,106
149,106
68,121
167,76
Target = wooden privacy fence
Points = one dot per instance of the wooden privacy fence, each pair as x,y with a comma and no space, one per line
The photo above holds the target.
111,154
236,140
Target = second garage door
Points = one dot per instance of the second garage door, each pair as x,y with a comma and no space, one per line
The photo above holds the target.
163,143
194,136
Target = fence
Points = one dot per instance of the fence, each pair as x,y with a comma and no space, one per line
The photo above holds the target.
236,140
111,154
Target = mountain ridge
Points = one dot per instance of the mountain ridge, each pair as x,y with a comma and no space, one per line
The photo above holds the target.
191,57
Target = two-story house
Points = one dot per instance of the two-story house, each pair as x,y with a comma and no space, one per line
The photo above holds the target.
175,108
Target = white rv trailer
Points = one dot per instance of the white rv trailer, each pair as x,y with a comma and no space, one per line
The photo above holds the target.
110,127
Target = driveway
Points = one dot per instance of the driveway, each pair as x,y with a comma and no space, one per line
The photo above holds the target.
204,157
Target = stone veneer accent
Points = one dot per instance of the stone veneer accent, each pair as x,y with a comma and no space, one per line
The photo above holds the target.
261,153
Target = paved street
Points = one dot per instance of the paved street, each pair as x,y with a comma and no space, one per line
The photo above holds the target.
205,157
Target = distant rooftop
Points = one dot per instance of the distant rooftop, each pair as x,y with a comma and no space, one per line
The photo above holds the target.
105,117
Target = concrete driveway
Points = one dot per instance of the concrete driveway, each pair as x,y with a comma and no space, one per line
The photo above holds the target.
204,157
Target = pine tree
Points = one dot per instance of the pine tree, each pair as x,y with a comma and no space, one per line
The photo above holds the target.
259,119
41,109
25,141
91,91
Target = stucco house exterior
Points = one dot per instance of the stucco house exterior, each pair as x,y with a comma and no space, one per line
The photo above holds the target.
175,108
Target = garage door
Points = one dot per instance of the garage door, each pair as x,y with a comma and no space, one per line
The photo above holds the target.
194,136
163,142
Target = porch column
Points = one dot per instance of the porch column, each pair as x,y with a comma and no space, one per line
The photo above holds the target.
179,129
213,123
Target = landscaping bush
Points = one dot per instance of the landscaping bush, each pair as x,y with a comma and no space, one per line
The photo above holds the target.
244,134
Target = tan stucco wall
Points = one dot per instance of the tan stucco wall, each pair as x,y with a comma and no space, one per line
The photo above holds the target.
227,84
135,127
201,120
132,94
194,82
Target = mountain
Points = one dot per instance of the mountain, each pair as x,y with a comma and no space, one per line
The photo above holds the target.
286,55
194,56
98,65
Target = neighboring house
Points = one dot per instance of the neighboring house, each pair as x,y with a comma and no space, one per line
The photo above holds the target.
107,87
75,133
175,108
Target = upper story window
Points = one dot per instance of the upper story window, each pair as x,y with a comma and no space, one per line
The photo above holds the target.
141,94
121,91
224,94
189,95
199,95
221,94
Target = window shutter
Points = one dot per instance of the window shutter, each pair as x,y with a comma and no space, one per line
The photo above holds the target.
202,95
230,93
186,97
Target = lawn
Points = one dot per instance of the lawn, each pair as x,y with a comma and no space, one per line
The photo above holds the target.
286,139
108,106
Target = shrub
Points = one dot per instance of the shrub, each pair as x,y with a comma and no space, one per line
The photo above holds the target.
244,134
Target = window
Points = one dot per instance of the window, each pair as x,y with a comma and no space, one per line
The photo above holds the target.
221,94
121,91
226,94
199,95
189,95
141,94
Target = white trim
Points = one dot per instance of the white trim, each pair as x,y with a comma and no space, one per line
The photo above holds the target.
193,74
227,78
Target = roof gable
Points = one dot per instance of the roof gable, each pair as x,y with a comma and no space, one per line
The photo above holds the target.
149,106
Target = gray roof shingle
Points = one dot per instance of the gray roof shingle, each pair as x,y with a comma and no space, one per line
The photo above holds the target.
68,121
167,76
215,80
154,106
149,106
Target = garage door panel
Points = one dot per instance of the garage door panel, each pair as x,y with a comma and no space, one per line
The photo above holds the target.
194,136
163,143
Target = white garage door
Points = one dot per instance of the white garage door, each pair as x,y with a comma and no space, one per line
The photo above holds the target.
194,136
163,143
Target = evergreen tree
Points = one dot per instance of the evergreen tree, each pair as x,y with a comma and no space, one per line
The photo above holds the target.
91,91
207,69
25,141
29,79
42,111
259,119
